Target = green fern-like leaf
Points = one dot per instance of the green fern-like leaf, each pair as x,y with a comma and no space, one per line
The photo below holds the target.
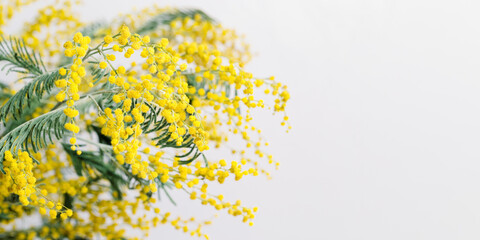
168,17
93,30
160,126
95,160
37,133
5,93
34,134
31,92
18,58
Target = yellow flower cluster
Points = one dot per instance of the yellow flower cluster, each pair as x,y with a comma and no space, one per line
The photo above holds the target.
19,176
19,179
38,33
142,112
73,78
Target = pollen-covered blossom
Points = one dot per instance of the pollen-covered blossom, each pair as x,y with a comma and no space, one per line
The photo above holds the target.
128,112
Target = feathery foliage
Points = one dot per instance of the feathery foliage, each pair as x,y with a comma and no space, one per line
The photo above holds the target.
34,134
31,92
94,30
96,160
17,57
166,18
37,133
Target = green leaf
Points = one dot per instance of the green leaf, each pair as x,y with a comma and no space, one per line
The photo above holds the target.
167,17
18,58
117,178
31,92
152,123
93,30
37,133
34,134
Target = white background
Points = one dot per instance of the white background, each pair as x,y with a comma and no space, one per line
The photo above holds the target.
385,112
